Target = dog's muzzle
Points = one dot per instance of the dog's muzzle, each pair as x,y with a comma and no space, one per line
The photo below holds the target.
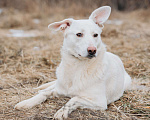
91,52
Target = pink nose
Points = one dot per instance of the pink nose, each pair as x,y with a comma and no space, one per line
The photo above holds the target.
91,50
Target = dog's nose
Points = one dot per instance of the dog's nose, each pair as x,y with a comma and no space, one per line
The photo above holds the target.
91,50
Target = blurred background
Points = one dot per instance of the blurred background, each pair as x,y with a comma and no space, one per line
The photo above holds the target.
27,5
30,53
22,12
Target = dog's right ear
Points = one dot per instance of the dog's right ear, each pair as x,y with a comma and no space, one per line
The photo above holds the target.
62,25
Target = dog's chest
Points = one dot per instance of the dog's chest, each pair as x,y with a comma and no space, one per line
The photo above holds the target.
74,78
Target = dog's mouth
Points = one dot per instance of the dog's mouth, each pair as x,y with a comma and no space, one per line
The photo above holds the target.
79,56
76,56
90,56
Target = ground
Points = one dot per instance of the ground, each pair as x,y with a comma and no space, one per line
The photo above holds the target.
27,62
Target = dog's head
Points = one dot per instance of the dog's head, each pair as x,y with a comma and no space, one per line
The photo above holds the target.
82,37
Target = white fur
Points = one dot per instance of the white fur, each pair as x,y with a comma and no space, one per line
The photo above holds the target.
91,83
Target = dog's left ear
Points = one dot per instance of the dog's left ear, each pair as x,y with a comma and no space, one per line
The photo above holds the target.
62,25
100,15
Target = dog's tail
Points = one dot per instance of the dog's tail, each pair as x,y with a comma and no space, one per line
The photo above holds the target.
46,85
127,82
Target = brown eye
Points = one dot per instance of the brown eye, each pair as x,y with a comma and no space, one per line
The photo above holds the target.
95,35
79,34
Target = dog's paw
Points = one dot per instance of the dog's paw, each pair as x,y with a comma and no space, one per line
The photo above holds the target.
26,104
61,114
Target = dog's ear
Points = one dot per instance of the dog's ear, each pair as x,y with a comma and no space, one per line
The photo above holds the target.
62,25
100,15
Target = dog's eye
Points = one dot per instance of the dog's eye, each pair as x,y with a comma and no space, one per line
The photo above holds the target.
79,34
95,35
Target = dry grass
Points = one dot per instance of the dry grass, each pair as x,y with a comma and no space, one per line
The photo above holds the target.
22,67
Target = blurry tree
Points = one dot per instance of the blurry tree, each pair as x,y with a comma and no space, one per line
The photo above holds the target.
28,5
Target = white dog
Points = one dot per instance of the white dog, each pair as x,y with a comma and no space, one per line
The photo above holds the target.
87,73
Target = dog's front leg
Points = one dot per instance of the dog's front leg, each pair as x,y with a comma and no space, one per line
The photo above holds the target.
39,98
74,103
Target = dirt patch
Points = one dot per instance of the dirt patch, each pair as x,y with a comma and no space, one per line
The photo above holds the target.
27,62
